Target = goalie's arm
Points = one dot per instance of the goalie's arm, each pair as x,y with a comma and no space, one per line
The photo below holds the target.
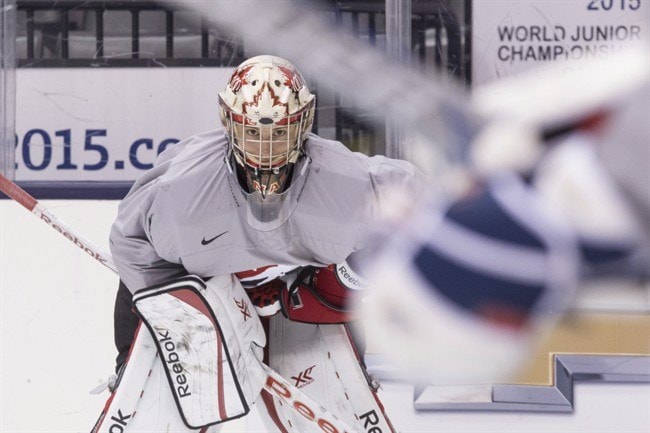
138,262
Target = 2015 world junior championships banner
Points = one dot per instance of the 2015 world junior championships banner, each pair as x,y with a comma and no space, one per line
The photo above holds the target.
513,36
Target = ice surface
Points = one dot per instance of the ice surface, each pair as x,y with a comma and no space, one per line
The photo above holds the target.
56,343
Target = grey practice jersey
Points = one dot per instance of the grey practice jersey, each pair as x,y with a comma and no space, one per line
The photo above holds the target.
188,214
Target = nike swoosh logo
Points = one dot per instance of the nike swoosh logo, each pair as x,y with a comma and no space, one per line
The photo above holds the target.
205,241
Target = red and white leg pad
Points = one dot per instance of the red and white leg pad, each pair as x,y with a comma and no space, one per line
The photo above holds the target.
196,367
142,400
321,361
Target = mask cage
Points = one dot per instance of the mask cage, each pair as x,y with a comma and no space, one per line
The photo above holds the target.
263,169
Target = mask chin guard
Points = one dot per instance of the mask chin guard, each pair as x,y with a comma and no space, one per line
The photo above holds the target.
268,212
266,182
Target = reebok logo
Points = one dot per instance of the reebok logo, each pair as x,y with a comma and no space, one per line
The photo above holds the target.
348,278
205,241
370,419
304,378
119,422
78,242
314,414
174,364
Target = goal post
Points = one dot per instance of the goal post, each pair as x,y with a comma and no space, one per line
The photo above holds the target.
7,86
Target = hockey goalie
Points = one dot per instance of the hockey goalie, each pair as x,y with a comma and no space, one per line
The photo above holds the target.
258,218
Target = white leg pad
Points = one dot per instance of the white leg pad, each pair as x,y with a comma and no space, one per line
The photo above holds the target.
198,365
320,360
142,401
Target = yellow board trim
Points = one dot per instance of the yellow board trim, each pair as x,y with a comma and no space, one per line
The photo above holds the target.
587,334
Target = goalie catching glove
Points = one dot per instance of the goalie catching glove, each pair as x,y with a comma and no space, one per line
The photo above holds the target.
309,294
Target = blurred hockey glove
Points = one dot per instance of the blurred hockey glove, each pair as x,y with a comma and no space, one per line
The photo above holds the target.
458,294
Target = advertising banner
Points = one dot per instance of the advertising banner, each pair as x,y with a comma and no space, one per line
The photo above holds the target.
513,36
108,124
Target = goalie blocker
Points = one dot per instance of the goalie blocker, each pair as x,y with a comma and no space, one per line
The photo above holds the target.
199,364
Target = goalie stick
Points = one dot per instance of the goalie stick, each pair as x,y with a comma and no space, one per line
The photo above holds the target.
23,198
275,384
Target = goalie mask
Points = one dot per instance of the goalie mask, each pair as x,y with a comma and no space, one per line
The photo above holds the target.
267,111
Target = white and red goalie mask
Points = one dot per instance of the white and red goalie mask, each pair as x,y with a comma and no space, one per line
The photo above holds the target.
267,111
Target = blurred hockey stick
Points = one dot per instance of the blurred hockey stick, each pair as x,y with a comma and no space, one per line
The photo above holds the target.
433,107
275,384
435,111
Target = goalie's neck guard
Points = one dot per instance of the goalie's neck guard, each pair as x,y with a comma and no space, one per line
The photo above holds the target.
266,212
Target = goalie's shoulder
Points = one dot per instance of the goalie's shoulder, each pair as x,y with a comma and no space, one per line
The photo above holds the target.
184,164
332,161
206,147
333,157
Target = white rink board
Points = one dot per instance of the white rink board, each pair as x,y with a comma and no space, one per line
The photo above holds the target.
513,36
56,344
108,124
